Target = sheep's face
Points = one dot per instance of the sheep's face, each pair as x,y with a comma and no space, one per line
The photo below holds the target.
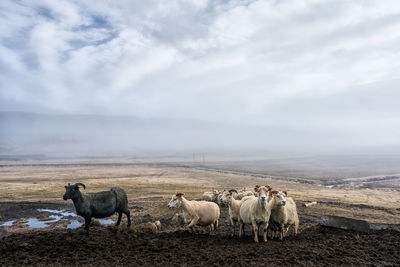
279,197
216,193
263,193
176,201
70,191
224,197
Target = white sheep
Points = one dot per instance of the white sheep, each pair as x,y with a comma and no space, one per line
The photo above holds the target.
283,213
210,196
225,194
234,207
203,213
244,193
256,211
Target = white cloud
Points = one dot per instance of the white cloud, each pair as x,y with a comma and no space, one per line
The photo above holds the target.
225,61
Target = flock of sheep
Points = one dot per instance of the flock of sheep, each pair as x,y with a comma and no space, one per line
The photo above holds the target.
265,208
269,209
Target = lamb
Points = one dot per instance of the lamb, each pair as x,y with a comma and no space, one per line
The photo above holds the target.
98,205
203,213
283,213
220,196
256,211
234,207
180,219
149,227
224,195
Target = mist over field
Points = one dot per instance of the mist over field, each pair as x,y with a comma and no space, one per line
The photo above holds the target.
45,136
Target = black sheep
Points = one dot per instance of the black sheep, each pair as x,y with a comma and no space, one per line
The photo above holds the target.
98,205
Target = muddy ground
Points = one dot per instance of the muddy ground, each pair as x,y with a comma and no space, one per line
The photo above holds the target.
109,245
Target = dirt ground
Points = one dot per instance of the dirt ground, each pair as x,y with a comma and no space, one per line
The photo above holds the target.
110,245
149,190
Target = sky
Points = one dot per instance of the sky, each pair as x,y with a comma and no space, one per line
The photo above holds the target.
306,66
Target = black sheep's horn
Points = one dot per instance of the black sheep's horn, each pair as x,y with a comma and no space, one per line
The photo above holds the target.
80,184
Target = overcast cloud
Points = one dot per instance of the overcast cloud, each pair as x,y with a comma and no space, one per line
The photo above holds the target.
331,66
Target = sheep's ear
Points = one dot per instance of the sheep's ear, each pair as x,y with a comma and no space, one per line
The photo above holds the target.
285,193
274,192
268,187
179,194
256,189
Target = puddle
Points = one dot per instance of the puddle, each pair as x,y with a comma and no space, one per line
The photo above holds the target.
8,223
35,223
105,221
73,224
61,212
57,215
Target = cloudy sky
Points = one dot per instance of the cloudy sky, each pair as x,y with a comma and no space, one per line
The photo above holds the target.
330,66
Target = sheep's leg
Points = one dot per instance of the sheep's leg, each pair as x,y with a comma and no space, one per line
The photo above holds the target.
270,231
119,218
240,229
87,223
233,223
193,223
282,228
255,231
128,215
286,231
211,228
265,231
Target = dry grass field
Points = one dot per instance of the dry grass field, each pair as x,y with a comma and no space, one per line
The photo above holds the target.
46,183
